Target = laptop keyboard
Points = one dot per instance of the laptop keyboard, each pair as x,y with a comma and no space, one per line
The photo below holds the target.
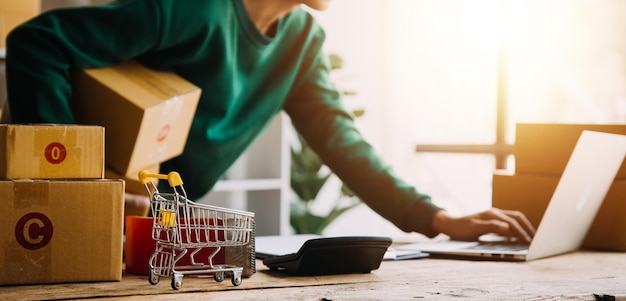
498,246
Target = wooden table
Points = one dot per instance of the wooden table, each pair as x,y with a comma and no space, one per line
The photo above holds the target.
575,276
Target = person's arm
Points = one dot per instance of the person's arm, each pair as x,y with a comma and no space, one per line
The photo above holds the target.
43,53
318,115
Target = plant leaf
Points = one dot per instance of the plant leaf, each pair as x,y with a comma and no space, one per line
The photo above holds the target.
306,223
308,186
334,214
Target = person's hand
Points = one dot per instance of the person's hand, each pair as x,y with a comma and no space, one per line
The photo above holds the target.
136,204
501,222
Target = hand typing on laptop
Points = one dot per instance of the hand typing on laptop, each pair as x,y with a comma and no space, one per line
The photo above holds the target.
471,227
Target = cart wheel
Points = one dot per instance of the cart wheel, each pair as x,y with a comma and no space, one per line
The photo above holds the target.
236,280
154,278
177,282
219,276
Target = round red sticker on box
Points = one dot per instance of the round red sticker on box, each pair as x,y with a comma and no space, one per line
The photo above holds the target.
55,152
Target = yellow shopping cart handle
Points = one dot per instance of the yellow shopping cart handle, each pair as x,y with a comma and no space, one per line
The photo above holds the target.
173,178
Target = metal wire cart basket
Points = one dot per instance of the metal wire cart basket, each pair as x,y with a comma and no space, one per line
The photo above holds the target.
180,226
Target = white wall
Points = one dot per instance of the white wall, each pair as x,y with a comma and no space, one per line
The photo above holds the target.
356,30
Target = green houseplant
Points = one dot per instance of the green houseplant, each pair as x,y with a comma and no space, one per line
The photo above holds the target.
309,176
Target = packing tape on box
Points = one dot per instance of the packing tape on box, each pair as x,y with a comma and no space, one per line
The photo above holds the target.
53,153
29,193
149,82
33,231
171,112
37,263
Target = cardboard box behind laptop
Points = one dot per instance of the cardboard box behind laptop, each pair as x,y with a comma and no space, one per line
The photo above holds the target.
56,231
545,148
51,151
531,194
147,114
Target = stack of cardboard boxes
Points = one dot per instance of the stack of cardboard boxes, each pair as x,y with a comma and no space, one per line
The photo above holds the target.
63,219
541,154
61,222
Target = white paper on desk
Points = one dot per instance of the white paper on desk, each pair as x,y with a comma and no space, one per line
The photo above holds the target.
398,254
441,245
278,245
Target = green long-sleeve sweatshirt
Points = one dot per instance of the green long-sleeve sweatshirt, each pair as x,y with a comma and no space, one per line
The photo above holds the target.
246,78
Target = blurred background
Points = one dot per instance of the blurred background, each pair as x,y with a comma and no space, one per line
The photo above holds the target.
442,85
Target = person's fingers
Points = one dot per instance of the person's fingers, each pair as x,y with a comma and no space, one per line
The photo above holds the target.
135,198
492,226
135,204
514,227
522,220
494,220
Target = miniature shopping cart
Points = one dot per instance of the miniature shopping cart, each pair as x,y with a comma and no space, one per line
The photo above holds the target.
181,226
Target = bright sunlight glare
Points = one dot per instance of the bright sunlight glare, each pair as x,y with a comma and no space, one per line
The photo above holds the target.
562,64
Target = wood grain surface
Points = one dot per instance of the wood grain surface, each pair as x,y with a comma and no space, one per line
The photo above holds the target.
575,276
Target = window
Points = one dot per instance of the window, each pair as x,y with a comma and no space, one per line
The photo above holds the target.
453,78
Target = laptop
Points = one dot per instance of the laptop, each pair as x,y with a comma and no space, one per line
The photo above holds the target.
584,183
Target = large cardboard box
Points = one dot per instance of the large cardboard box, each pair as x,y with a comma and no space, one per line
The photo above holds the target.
531,194
13,13
51,151
546,148
147,114
57,231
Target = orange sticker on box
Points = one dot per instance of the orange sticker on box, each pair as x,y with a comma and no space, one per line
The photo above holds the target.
163,132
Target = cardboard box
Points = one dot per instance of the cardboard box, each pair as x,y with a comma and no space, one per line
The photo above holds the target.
147,114
14,13
531,194
51,151
28,6
57,231
545,148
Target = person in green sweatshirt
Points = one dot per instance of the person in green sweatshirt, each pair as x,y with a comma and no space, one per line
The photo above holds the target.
252,59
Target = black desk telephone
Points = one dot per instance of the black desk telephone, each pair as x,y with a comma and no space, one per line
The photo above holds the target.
333,255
